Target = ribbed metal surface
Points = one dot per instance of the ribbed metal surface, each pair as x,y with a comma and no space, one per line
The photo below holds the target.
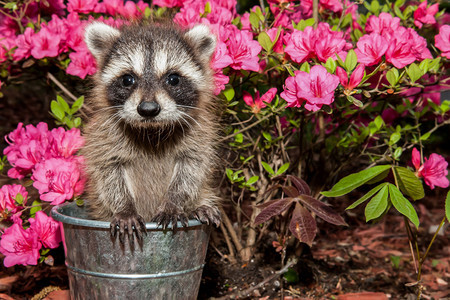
167,265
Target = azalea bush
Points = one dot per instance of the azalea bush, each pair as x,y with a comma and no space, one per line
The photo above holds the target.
312,91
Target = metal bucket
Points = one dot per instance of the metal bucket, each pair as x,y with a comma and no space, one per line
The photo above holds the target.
168,265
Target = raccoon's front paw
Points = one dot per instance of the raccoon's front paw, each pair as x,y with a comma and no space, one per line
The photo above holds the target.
127,224
207,215
170,214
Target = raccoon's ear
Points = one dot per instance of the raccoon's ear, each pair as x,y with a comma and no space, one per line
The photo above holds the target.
204,40
99,37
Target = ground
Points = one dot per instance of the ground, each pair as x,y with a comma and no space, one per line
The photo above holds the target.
342,261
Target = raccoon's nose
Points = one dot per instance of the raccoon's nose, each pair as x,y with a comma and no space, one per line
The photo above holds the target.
148,109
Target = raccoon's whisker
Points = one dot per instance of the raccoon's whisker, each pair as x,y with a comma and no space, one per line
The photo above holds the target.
190,107
190,117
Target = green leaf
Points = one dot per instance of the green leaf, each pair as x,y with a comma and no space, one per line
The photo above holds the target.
229,173
409,184
395,260
350,61
425,136
265,41
63,103
395,137
377,205
305,67
403,205
330,65
252,180
283,169
77,122
11,5
414,72
239,138
19,199
447,207
267,136
57,110
379,122
375,7
351,182
397,153
367,196
291,276
207,7
77,105
254,20
398,12
392,77
268,168
36,206
229,93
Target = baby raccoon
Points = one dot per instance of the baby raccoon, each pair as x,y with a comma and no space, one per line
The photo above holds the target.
150,141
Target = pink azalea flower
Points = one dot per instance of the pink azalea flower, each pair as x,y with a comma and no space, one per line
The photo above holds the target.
329,43
66,143
57,180
405,47
8,194
219,15
168,3
24,44
27,146
82,64
399,52
20,246
259,102
442,41
383,24
81,6
355,78
187,16
314,89
47,230
243,50
300,44
220,80
433,170
371,48
221,58
425,15
45,44
113,7
322,43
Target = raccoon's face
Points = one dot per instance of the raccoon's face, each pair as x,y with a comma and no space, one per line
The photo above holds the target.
152,75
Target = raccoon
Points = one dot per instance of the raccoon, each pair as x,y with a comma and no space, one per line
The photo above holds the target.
150,142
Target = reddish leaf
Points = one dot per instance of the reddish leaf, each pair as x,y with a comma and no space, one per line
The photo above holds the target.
322,210
303,225
300,184
290,191
276,207
265,204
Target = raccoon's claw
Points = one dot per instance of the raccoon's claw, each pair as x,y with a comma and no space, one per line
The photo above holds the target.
165,218
126,224
207,215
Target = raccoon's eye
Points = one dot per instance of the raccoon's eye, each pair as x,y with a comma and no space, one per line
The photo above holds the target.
173,79
127,80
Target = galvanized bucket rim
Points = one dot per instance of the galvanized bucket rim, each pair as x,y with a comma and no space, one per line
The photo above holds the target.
58,215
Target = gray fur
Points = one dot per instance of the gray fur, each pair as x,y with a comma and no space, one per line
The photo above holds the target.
149,167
